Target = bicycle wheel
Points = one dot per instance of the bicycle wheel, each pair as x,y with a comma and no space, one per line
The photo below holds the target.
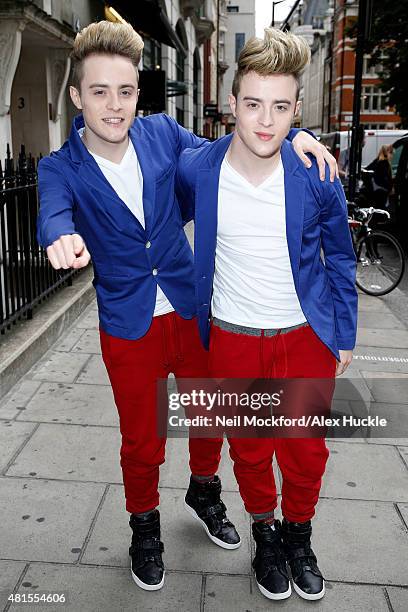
380,263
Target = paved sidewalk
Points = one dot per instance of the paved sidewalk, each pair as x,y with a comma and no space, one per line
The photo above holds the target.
64,529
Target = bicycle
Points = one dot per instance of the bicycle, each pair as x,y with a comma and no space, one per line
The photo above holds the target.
380,257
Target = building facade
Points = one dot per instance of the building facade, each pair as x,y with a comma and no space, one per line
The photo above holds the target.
328,82
36,38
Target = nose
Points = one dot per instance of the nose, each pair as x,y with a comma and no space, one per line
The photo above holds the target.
114,102
267,117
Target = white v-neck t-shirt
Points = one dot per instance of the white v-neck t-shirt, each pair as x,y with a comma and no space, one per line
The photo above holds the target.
253,280
126,179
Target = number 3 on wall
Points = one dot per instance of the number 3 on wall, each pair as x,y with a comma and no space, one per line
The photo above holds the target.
21,103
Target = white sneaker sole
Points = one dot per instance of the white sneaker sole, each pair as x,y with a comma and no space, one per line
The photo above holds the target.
274,596
143,585
217,541
308,596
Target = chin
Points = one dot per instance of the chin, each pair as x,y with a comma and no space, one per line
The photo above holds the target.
265,154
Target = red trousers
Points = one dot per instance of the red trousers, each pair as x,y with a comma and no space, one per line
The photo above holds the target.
172,344
297,354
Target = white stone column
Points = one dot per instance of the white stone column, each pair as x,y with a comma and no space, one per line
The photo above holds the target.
58,65
10,48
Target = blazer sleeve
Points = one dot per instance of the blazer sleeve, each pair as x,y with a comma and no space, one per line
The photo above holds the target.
185,187
56,204
340,262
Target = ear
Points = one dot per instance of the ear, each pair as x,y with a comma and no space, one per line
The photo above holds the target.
75,97
298,106
232,101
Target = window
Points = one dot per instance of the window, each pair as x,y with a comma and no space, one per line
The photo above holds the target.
374,99
221,48
151,54
317,22
239,43
372,71
232,9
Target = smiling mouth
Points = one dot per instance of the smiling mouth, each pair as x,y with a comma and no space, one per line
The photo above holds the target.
113,120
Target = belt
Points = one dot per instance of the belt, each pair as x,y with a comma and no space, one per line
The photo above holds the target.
254,331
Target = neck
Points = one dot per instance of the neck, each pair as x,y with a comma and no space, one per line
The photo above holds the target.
112,151
254,168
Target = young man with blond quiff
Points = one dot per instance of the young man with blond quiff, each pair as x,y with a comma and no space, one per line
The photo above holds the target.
278,309
109,193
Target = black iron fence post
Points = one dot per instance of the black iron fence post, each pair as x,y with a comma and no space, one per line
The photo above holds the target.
26,276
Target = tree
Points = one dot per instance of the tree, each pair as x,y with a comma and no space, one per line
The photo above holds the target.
388,46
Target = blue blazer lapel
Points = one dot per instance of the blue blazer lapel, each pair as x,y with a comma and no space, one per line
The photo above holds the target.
206,213
205,228
144,155
294,206
95,179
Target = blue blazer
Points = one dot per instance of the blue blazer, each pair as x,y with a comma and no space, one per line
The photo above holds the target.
76,197
316,218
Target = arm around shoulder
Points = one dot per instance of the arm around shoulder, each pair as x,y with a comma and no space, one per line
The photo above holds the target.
340,262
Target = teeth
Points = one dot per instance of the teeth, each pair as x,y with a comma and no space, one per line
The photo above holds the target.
112,120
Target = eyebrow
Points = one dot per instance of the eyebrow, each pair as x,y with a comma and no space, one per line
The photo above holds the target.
284,101
104,86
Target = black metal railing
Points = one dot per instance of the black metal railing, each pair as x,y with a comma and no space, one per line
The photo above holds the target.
26,277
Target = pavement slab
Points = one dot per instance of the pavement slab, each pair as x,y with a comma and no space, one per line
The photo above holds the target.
71,452
369,540
393,338
403,508
197,552
10,572
396,430
89,319
71,403
375,321
379,359
354,389
389,387
187,547
360,471
69,340
403,450
368,303
12,436
16,400
59,367
94,373
45,521
398,599
96,589
88,343
241,594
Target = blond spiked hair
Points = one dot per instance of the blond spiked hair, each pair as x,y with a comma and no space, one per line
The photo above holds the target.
277,53
108,38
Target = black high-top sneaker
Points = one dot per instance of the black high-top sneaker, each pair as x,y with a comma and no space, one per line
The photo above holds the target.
269,563
203,502
307,579
146,551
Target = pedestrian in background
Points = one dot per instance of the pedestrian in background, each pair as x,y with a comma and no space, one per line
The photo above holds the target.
381,180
